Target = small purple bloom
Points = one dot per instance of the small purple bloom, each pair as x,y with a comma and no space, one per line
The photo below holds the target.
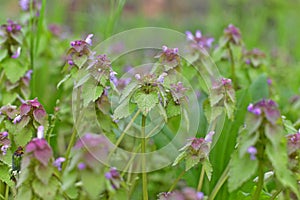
4,149
161,77
233,34
4,134
81,166
89,39
252,151
17,53
137,77
209,136
70,62
269,81
226,81
200,195
254,110
57,163
199,41
17,119
40,132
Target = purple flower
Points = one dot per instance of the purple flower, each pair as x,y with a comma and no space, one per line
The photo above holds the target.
81,166
11,27
256,111
40,150
169,58
255,57
233,34
293,143
178,92
267,108
199,41
226,81
3,134
25,5
252,151
269,81
209,136
9,110
57,163
40,132
17,119
113,77
17,53
88,39
137,77
161,77
94,148
4,149
35,110
101,70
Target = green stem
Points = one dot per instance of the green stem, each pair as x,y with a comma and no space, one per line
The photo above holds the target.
219,184
275,194
71,144
260,181
233,75
260,157
176,181
201,178
143,150
6,191
123,133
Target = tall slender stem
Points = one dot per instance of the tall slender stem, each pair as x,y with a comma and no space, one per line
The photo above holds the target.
219,184
176,181
260,181
143,150
201,178
6,191
233,75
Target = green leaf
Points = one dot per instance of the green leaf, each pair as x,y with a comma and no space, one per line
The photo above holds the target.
24,192
98,92
80,60
246,140
9,98
63,80
179,158
208,168
22,137
146,102
191,161
229,107
124,110
5,174
3,54
69,179
43,173
72,192
92,183
290,129
128,90
45,191
13,69
173,109
241,170
259,89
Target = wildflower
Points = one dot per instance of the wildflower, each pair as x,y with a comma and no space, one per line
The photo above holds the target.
101,70
17,53
232,34
252,151
114,177
256,111
39,149
293,143
4,149
169,58
255,57
25,5
162,77
177,91
268,108
199,41
9,110
80,49
34,109
81,166
137,76
57,163
93,148
11,27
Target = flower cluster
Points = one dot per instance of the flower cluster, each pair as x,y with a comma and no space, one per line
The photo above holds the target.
196,150
169,58
80,51
31,109
198,41
232,34
293,147
254,58
113,176
11,39
265,108
25,5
